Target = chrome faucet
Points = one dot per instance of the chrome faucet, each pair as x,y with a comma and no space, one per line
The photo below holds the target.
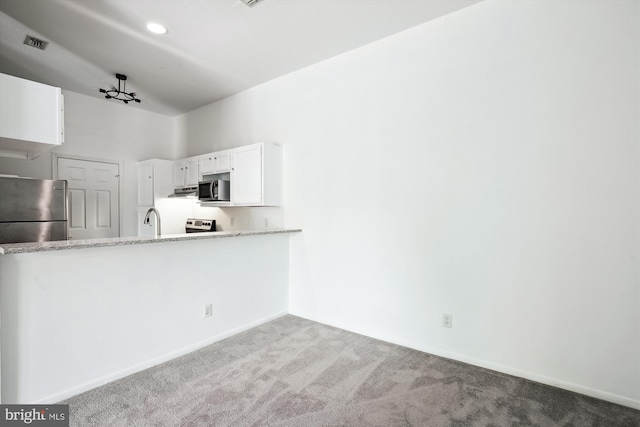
146,218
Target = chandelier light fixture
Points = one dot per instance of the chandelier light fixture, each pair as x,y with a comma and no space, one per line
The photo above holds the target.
250,3
120,95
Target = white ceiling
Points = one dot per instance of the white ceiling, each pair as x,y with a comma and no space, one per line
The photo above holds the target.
214,48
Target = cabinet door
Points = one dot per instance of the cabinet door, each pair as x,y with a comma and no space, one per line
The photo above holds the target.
218,162
145,184
191,171
246,175
179,174
30,111
205,164
222,161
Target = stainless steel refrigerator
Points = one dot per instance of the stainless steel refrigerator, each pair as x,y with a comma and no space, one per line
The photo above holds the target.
32,210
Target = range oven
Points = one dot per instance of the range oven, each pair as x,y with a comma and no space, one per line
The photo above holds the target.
200,225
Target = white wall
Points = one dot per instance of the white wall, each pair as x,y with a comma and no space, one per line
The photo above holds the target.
485,165
106,130
71,321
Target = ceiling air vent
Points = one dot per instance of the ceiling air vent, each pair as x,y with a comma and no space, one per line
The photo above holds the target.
250,3
34,42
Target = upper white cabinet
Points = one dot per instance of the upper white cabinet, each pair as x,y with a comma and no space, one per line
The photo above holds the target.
185,172
217,162
255,172
154,181
145,183
179,174
31,117
256,175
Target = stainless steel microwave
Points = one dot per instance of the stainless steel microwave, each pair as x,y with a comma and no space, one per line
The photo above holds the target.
217,190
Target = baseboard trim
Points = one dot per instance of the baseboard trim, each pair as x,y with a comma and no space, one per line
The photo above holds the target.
57,397
587,391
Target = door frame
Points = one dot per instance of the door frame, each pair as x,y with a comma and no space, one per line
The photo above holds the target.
119,163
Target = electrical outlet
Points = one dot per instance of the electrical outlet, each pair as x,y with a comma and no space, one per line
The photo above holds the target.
447,320
208,310
233,221
266,223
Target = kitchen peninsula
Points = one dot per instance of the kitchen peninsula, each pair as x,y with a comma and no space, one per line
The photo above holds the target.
78,314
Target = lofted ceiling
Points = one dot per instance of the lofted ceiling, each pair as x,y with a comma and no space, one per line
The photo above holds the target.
213,48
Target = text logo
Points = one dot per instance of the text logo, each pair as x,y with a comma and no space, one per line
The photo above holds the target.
34,415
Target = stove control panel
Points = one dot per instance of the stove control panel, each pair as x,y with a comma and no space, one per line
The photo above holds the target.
200,225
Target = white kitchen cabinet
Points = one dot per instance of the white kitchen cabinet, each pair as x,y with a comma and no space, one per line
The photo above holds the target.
216,162
185,172
179,174
31,117
145,183
155,184
256,175
192,171
154,181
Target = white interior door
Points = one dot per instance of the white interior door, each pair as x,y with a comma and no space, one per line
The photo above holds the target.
93,197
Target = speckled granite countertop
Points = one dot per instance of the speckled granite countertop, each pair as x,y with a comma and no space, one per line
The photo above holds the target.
21,248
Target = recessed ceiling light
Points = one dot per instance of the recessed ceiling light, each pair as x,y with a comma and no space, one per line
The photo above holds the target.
156,28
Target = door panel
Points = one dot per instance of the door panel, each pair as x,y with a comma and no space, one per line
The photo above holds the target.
102,175
76,174
93,197
77,208
103,210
